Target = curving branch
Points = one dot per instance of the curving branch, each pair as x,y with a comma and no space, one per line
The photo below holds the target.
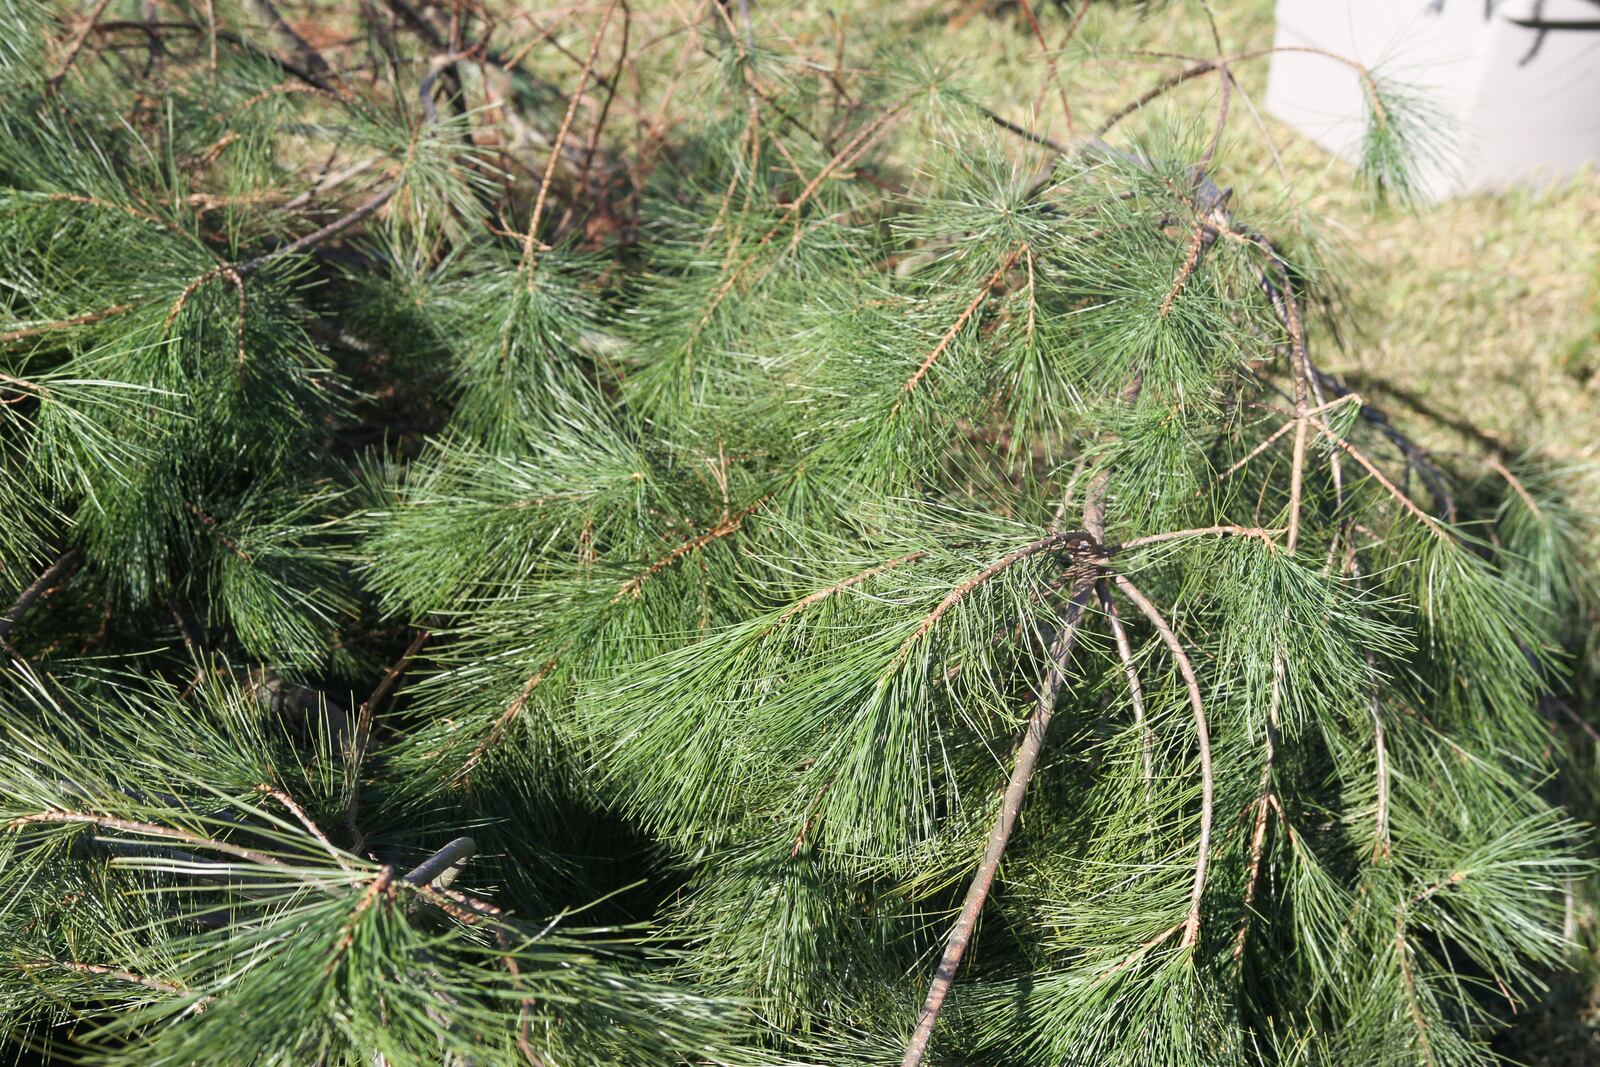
1191,929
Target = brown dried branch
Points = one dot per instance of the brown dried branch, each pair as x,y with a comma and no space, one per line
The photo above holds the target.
1264,806
1402,951
1172,81
1191,260
1405,501
381,885
303,54
857,146
209,521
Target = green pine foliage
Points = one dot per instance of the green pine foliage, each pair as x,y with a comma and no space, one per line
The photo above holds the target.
623,550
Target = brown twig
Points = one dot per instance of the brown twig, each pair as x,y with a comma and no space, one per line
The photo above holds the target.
1302,406
1079,540
1172,81
1405,501
363,732
381,885
316,237
209,521
857,146
118,973
1264,804
305,820
1119,634
500,725
470,911
1279,432
76,44
1191,260
961,320
65,324
727,526
1049,58
1402,951
530,239
1516,485
305,56
854,580
1259,532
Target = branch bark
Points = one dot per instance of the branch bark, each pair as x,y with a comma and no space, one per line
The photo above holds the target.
51,576
1026,759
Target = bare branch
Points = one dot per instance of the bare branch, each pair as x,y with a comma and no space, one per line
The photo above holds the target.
1024,761
1135,689
76,44
316,237
1027,758
306,821
440,869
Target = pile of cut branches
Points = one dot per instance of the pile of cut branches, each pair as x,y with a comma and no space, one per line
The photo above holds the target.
647,534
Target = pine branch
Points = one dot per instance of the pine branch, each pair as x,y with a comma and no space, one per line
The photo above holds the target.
304,56
117,973
75,45
47,580
1022,768
143,829
983,293
1191,927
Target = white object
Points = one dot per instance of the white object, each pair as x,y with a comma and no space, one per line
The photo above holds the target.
1513,103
